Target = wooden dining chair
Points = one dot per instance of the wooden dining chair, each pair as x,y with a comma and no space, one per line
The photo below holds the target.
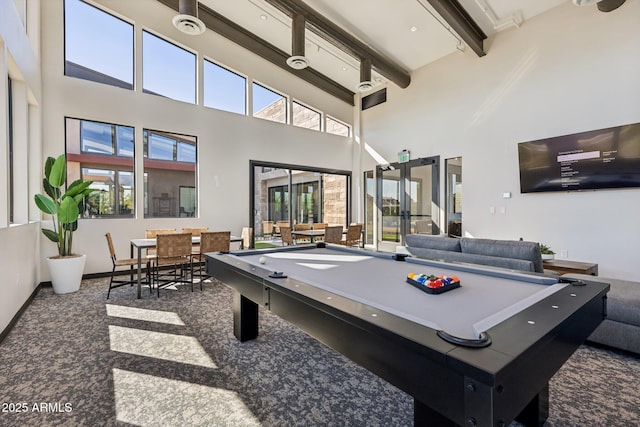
195,249
333,234
286,235
354,232
151,233
211,241
173,251
128,262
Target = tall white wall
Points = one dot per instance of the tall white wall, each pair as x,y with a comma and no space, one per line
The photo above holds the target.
18,240
226,141
569,70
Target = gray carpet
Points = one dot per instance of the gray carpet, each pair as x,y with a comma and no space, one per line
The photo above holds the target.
82,360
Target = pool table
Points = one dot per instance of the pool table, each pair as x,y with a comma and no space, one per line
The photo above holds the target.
481,354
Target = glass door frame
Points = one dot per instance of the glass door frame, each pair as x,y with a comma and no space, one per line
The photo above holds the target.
405,196
253,164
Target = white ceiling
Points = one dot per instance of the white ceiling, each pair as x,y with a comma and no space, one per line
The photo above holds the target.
384,25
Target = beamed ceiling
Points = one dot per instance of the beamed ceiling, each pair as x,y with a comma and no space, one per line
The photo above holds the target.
396,36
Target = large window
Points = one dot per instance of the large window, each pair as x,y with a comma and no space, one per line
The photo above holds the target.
169,175
305,117
224,89
168,70
269,105
103,153
98,46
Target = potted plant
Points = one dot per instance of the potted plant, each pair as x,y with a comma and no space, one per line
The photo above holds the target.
66,268
546,251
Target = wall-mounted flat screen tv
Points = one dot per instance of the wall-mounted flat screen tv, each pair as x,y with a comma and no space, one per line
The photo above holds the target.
604,158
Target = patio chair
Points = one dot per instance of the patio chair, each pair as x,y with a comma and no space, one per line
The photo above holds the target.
333,234
354,232
287,237
267,228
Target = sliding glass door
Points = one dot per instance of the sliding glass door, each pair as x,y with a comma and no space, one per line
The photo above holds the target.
286,195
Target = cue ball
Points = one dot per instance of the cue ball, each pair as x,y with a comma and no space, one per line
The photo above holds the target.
262,260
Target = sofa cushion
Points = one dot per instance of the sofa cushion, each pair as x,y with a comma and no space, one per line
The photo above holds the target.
529,251
441,243
451,256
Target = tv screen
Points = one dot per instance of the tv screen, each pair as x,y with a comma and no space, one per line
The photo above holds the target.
604,158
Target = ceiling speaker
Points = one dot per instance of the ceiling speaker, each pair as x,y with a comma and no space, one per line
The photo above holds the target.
189,24
187,19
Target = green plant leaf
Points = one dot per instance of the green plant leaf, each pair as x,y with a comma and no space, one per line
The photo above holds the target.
71,227
54,193
58,174
51,235
68,211
48,164
77,187
45,204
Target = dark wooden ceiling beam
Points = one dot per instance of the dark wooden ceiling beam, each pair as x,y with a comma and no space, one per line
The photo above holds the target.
230,30
344,41
462,23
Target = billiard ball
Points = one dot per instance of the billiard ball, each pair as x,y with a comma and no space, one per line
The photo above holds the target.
262,260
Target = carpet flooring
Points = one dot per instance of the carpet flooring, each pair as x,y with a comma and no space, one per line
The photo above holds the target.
82,360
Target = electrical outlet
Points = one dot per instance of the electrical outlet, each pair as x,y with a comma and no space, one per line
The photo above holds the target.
564,253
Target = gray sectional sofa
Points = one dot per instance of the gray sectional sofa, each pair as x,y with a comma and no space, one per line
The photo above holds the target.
621,328
512,254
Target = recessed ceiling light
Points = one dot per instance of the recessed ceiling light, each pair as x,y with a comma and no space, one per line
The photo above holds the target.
344,68
263,17
414,29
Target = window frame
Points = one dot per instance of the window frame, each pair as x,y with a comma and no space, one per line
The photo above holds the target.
206,59
176,165
348,126
125,85
287,102
92,161
10,150
321,115
174,43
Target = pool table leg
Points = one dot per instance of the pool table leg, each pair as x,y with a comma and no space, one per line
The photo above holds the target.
537,411
425,416
245,317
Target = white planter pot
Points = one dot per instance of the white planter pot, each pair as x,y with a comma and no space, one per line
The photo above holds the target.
547,256
66,273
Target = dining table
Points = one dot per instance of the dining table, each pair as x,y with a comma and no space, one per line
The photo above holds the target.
141,244
312,234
